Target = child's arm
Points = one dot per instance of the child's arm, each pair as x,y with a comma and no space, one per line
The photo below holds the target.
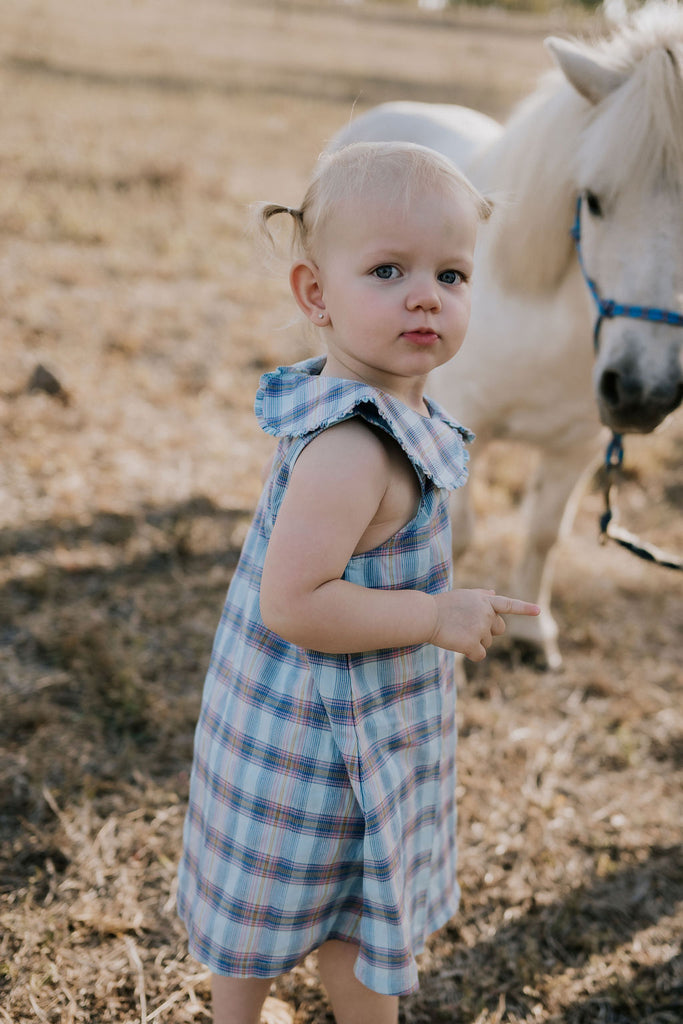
338,488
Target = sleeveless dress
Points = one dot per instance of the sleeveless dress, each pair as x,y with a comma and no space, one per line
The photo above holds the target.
322,794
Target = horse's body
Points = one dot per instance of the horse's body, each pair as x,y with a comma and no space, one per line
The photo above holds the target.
608,126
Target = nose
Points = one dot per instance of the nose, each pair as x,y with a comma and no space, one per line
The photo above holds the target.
630,400
424,294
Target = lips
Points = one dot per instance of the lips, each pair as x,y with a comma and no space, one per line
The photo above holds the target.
421,337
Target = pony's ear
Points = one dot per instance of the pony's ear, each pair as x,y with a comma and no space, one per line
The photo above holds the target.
590,77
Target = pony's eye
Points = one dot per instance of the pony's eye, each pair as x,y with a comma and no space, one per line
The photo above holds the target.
593,203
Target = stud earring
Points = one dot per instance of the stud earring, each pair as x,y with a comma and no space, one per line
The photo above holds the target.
321,316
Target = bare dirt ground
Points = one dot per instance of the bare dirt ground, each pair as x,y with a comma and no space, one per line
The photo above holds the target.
132,137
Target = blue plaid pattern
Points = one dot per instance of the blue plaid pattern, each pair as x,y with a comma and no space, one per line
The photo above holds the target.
322,797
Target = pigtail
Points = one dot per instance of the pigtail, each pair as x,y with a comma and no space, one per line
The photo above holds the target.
270,209
264,211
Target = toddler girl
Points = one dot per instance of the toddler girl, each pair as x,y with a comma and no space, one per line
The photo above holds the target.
322,812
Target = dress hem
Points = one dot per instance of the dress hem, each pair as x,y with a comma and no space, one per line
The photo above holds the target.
371,977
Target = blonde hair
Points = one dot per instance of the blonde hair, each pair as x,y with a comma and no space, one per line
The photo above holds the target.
396,170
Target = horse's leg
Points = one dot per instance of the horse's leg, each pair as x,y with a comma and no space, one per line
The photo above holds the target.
551,503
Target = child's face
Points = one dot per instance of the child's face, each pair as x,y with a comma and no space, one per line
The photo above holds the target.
395,288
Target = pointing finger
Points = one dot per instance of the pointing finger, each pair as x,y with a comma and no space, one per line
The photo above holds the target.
512,606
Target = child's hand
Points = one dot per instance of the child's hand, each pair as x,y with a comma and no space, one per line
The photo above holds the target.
468,620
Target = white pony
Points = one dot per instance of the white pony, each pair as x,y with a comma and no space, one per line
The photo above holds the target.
607,126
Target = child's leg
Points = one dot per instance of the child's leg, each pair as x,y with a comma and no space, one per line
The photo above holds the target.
352,1002
238,1000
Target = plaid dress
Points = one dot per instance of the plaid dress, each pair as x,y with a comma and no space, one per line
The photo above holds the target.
322,796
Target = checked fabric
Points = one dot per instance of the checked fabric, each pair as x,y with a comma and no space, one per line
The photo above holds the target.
322,797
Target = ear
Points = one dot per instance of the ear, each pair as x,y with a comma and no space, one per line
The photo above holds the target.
304,280
592,79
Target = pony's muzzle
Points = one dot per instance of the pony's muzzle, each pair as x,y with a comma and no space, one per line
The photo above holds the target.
632,397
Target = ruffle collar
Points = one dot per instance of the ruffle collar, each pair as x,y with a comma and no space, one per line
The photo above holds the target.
293,401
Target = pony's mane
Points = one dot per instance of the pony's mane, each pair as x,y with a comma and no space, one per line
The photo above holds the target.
557,142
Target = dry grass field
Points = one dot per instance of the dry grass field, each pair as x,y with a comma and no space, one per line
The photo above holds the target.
133,135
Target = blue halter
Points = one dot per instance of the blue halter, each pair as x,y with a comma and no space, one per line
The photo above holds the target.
609,308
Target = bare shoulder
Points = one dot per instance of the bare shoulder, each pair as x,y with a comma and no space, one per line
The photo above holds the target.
353,481
352,446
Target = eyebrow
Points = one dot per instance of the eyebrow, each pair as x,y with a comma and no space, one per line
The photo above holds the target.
391,255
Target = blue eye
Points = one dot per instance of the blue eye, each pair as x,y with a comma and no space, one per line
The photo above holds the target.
451,277
386,271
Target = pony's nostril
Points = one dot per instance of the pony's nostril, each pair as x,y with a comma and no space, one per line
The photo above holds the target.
621,387
609,386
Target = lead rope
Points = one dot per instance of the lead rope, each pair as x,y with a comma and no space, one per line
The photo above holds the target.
609,530
614,454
